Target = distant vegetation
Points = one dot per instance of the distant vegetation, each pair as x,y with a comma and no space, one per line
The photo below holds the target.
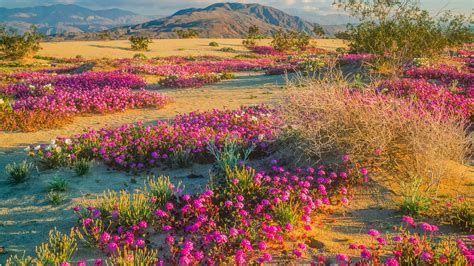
139,43
187,33
291,40
319,31
14,45
252,36
399,31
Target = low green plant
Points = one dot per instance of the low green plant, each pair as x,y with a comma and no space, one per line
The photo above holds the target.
82,167
230,155
213,44
132,207
286,213
129,256
292,40
182,158
17,46
56,198
139,56
414,202
59,248
161,189
18,173
241,178
15,260
58,184
227,50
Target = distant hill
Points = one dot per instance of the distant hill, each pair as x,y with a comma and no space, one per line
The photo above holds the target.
221,20
55,19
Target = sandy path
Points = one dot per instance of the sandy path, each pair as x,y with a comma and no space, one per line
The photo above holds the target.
161,47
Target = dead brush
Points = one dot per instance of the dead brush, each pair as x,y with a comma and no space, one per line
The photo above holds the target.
393,136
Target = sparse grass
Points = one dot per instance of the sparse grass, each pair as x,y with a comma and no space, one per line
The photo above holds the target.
18,173
161,189
182,159
414,202
230,155
59,248
286,213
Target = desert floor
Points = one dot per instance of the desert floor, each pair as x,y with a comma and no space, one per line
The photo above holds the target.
161,47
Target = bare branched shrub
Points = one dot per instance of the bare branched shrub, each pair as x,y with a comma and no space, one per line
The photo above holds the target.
394,136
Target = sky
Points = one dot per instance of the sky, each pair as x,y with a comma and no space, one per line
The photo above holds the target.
303,8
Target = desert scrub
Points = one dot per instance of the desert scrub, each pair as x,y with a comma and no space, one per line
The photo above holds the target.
394,136
59,248
213,44
130,208
182,158
82,167
18,173
16,260
227,50
230,155
286,213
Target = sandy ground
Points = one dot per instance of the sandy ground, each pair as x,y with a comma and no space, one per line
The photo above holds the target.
161,47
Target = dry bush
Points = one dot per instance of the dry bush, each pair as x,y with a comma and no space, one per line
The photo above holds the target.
393,136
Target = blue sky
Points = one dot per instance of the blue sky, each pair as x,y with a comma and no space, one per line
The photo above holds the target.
166,7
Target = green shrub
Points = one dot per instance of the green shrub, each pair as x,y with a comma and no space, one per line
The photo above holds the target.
57,184
398,31
161,189
15,260
214,44
414,202
230,155
228,50
286,213
252,36
16,46
132,207
292,40
139,43
130,256
59,248
82,167
56,198
182,159
18,173
139,56
187,33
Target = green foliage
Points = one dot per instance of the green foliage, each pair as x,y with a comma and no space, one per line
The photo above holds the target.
187,33
104,35
15,260
414,202
139,56
59,248
56,198
318,31
241,178
129,256
139,43
227,50
398,31
132,207
18,173
82,167
57,184
214,44
291,40
252,36
285,213
182,158
230,155
17,46
161,189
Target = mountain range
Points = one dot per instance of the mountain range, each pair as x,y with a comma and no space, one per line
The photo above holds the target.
62,18
220,20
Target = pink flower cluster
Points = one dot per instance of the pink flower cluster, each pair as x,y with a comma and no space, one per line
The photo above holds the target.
412,247
355,58
138,146
435,98
446,75
228,224
90,92
267,50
